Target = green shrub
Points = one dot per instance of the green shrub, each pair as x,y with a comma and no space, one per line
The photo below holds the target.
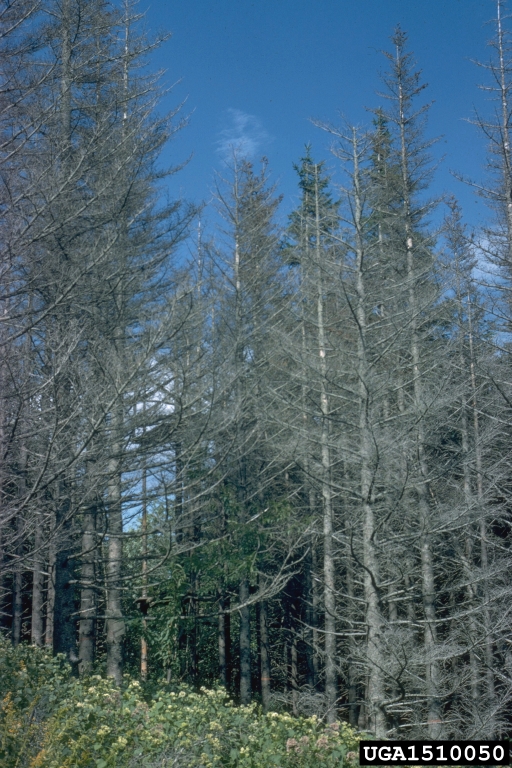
32,683
49,720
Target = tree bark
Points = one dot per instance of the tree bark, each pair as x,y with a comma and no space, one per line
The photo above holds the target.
265,670
115,620
374,623
64,624
37,636
351,670
50,589
245,644
17,586
331,682
87,628
432,671
311,619
484,561
224,641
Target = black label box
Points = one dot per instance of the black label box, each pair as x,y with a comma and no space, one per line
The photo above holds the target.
439,753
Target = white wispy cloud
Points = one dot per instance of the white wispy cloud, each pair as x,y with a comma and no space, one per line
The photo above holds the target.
485,270
243,134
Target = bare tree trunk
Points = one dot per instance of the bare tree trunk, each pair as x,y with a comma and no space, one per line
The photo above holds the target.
311,562
38,582
245,644
374,624
506,149
432,671
50,589
351,670
194,633
467,556
227,635
331,681
294,670
115,620
331,688
4,513
484,561
3,585
87,627
433,677
64,636
312,618
224,640
64,625
17,586
17,596
315,603
265,672
143,640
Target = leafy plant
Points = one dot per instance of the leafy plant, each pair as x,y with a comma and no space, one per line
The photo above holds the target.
51,720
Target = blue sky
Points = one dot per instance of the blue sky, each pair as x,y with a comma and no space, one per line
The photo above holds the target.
255,72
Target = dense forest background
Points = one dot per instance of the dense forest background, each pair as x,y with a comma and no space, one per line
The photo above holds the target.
282,462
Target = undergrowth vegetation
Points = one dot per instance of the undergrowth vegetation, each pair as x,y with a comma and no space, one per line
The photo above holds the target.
48,719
